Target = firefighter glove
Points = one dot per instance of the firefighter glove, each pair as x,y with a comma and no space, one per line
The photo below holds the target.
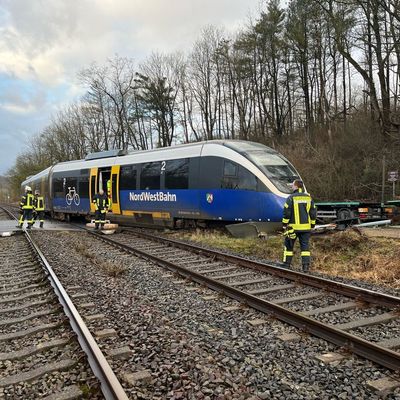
290,233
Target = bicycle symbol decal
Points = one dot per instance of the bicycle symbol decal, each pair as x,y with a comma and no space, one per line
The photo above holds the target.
72,196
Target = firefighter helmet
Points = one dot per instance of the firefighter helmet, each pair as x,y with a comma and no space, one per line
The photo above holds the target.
28,189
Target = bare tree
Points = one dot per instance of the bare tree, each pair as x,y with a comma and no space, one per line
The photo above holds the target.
203,80
160,81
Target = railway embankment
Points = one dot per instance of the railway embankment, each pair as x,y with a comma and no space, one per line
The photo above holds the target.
349,254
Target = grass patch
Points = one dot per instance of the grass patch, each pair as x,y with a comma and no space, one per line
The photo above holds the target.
88,392
270,249
348,253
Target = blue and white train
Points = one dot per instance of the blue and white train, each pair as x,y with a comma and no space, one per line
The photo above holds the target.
185,185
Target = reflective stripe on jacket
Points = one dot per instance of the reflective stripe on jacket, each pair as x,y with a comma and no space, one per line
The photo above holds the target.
299,211
101,202
27,201
39,203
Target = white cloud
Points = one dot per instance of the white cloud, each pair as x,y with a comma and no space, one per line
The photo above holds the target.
48,41
18,109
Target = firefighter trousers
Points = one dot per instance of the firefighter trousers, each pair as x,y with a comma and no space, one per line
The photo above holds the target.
304,240
27,215
99,218
40,216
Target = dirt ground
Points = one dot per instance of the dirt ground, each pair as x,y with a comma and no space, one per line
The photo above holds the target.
348,253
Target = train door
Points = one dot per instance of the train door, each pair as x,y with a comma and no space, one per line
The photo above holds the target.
93,187
43,190
100,178
115,207
104,180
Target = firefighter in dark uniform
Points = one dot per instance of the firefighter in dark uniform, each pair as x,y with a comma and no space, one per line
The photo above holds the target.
38,205
26,206
299,215
101,204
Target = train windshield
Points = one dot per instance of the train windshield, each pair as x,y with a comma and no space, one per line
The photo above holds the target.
275,167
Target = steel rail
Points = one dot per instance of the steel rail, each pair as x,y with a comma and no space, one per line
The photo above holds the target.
355,292
385,357
110,386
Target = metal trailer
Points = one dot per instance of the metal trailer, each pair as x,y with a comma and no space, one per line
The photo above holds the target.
356,212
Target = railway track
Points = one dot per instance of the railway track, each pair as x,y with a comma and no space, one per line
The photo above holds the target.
359,320
46,350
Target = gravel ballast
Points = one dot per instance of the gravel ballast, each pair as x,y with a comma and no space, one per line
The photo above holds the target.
191,347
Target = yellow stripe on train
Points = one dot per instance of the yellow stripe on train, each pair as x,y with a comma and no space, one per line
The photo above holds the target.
155,214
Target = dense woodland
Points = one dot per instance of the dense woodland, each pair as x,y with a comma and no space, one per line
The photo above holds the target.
317,80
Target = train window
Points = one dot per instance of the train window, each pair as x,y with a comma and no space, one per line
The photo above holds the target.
128,177
242,179
114,188
210,172
58,188
229,182
280,172
84,186
230,168
177,174
246,180
93,186
83,183
150,176
71,184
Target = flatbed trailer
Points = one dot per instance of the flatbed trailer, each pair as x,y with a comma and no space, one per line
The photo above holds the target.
356,212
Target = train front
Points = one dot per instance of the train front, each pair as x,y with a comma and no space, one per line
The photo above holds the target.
275,183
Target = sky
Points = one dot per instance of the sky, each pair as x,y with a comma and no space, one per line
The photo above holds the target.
45,43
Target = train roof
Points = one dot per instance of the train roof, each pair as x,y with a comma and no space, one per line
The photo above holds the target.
182,150
237,145
102,159
39,175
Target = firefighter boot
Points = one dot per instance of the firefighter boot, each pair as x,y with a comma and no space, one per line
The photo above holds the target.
96,226
286,265
41,225
306,267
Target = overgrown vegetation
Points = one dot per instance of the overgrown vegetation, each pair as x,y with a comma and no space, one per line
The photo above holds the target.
346,162
316,79
345,254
